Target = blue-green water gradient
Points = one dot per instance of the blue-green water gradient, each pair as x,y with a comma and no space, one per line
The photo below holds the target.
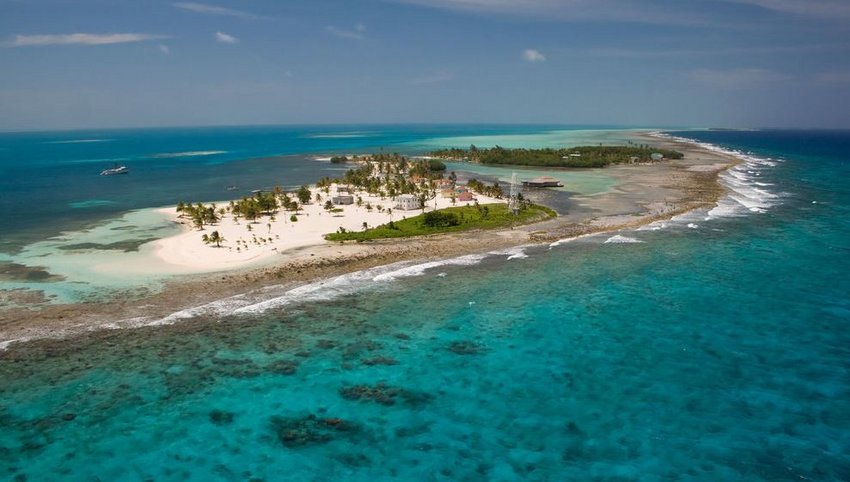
719,351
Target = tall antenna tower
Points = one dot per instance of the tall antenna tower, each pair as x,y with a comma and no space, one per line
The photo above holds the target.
513,200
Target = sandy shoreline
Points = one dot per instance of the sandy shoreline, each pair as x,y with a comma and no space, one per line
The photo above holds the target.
250,243
643,194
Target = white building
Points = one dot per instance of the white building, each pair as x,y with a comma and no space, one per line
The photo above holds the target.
343,199
407,202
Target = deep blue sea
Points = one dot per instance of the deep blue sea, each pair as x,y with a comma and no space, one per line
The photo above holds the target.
712,347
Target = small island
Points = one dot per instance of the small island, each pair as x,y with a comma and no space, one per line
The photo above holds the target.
381,196
575,157
293,235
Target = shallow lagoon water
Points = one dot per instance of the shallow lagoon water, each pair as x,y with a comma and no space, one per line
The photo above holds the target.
53,196
718,352
586,182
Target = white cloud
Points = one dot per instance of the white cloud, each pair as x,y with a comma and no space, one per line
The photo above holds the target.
164,49
533,55
214,10
656,13
80,39
225,38
744,77
819,8
357,34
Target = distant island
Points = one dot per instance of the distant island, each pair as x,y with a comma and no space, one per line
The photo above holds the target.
575,157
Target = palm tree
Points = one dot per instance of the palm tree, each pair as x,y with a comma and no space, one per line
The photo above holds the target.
210,216
198,219
213,237
304,194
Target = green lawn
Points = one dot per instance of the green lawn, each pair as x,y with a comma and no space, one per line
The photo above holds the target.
486,216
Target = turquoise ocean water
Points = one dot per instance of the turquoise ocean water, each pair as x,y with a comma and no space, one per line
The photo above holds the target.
711,347
65,227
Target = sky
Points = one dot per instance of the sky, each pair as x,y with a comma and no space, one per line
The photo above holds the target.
702,63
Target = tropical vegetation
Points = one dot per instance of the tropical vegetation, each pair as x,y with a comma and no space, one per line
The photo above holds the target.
213,238
582,156
458,218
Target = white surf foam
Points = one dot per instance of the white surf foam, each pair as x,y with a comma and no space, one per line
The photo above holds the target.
339,135
654,226
167,155
5,344
569,240
80,141
419,269
746,194
278,296
517,252
620,239
349,283
216,308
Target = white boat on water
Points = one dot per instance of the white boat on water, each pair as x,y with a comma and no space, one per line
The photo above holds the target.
115,170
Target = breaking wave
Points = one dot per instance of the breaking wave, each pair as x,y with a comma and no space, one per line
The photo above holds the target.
746,193
619,239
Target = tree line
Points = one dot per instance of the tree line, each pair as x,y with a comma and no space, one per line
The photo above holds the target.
263,203
582,156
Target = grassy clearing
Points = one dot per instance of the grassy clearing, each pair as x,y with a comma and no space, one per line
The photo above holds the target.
449,220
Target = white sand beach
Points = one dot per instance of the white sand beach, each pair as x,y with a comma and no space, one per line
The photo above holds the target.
266,238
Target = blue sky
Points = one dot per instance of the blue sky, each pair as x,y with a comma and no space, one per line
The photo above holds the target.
127,63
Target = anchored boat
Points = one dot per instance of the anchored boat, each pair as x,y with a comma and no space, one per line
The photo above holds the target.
115,170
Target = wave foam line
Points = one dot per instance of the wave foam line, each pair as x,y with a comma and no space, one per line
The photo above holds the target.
569,240
619,239
168,155
419,269
79,141
346,284
746,195
517,252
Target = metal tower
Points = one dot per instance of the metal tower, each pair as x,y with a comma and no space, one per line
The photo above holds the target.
513,200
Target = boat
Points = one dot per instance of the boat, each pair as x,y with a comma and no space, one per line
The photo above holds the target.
544,181
115,170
